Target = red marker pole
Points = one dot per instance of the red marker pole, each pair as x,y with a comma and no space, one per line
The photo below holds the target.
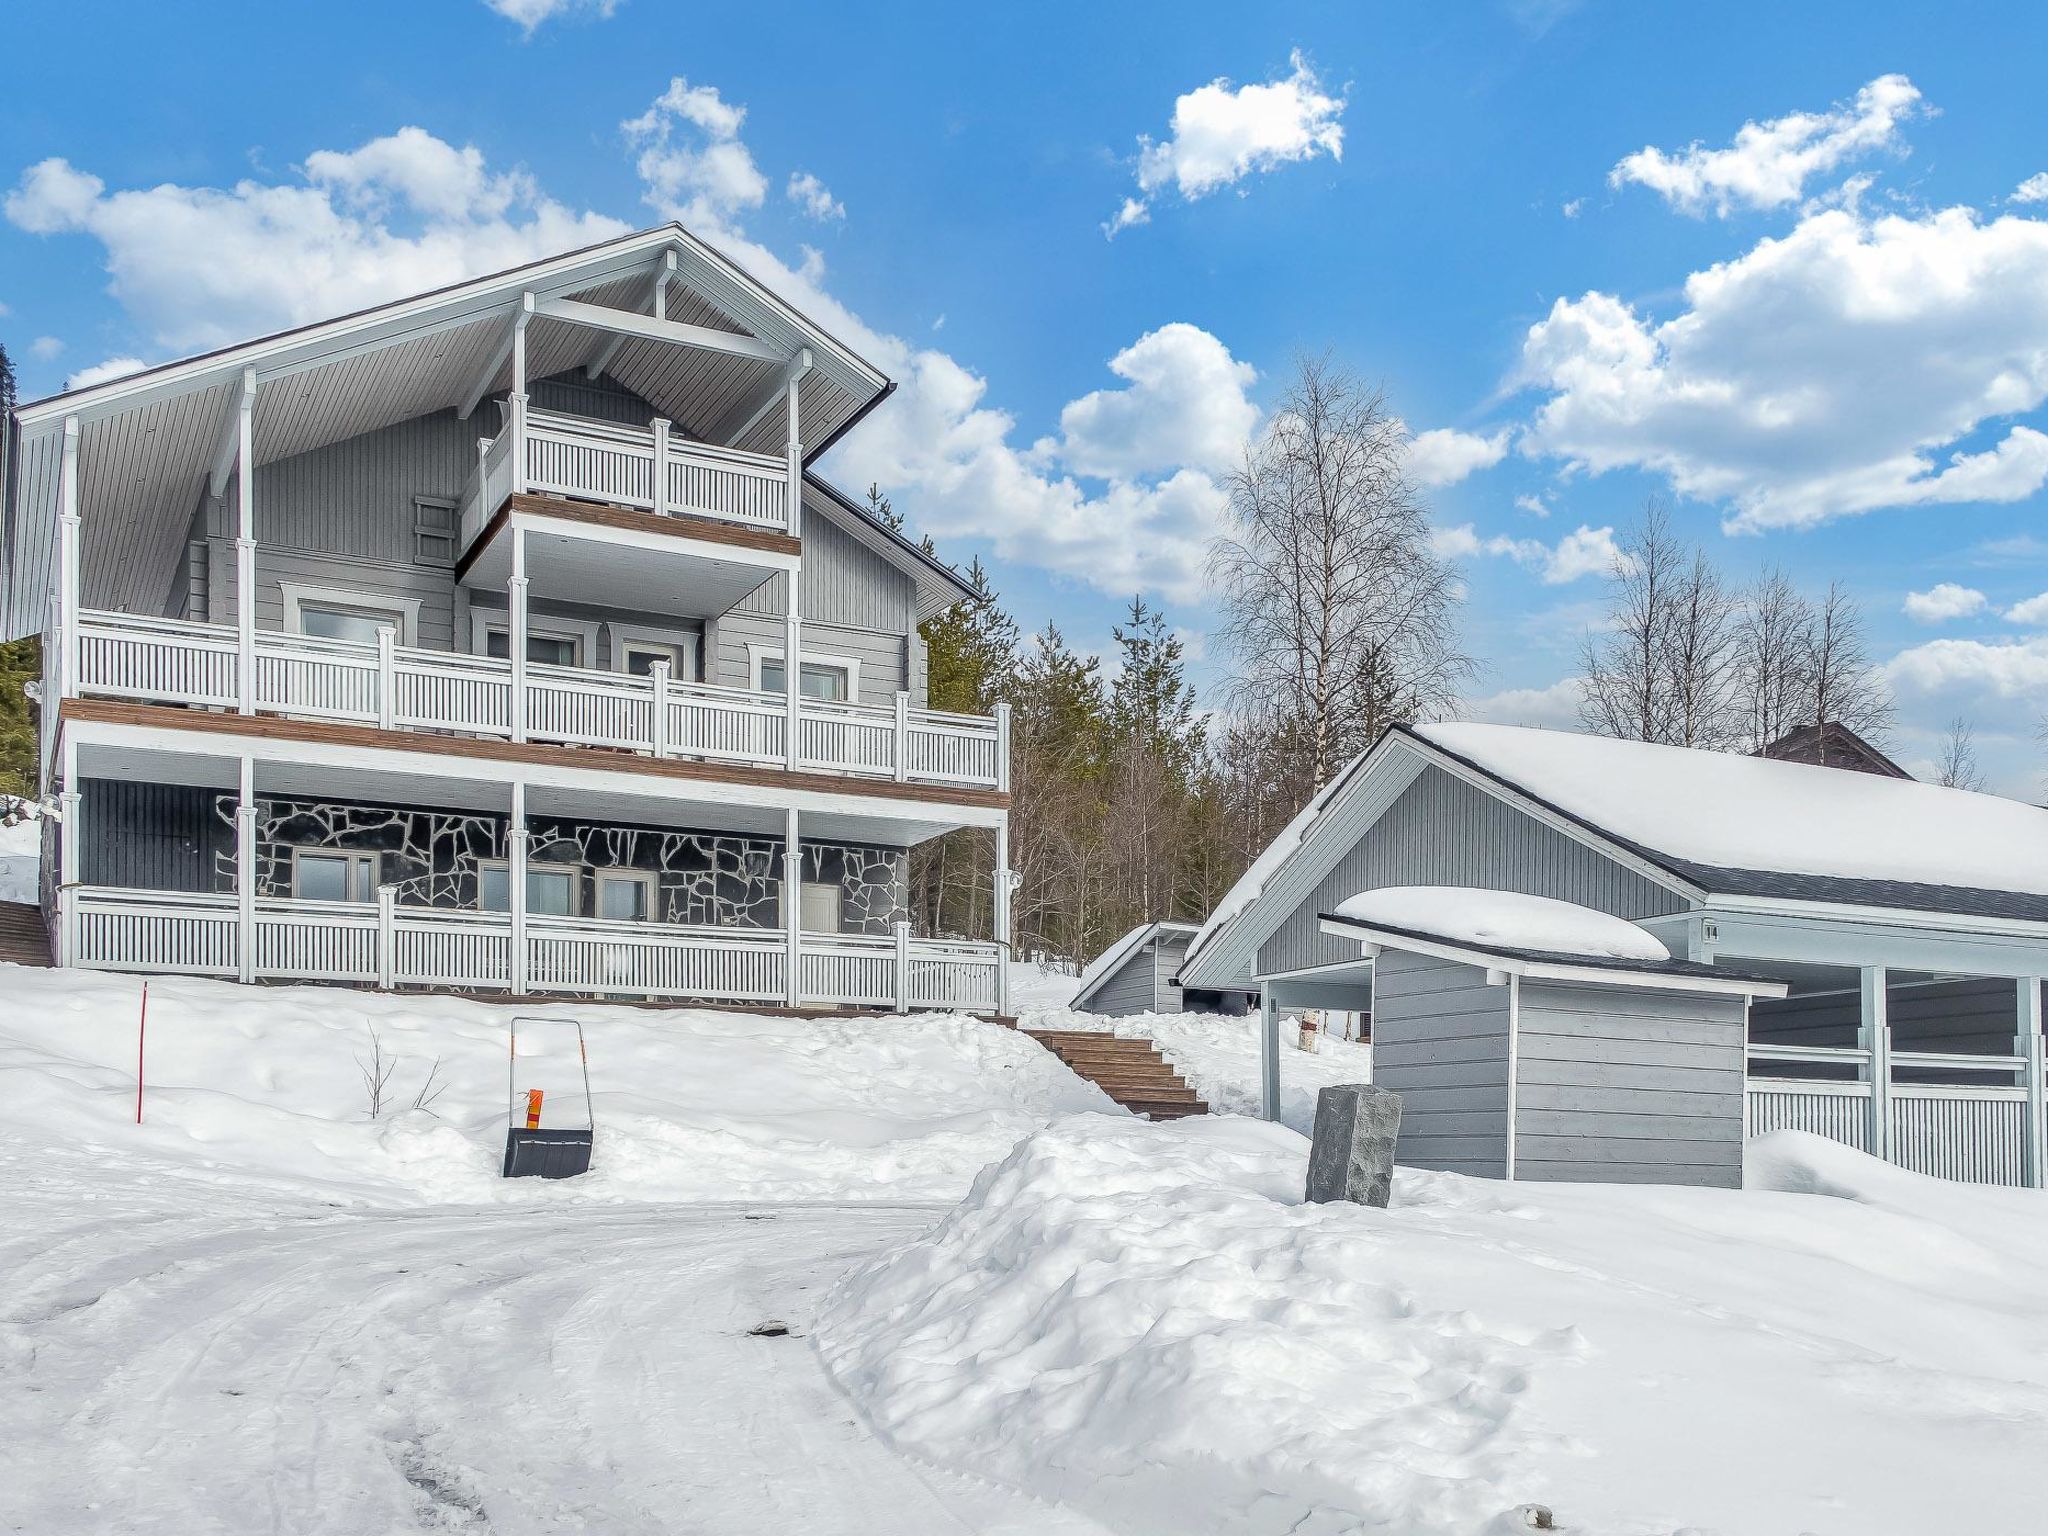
141,1031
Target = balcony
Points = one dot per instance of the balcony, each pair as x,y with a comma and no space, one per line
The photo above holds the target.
403,688
642,468
385,945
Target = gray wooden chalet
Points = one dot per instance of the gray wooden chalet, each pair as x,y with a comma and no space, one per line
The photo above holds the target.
498,638
1136,974
1906,922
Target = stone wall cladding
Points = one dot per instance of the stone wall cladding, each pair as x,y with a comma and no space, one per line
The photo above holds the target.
709,879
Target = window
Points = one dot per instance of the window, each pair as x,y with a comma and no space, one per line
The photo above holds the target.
339,621
625,895
639,656
433,531
550,649
820,907
822,680
319,874
550,888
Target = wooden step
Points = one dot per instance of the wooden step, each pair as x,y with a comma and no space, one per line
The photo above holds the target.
1129,1068
23,938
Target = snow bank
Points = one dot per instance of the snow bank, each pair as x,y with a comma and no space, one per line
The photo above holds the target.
1735,812
1041,984
1504,919
264,1085
1143,1321
1218,1054
20,859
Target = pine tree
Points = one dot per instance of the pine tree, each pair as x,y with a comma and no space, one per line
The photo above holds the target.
882,510
970,650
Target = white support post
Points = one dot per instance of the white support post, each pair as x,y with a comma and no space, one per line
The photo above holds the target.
903,967
657,704
2032,1050
516,404
387,676
798,367
515,631
387,937
245,872
1874,1034
515,889
1002,914
660,486
245,546
70,845
792,674
68,565
1003,746
1269,1051
792,907
902,750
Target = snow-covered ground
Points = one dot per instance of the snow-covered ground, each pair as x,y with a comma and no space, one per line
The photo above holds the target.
1145,1322
20,853
1218,1054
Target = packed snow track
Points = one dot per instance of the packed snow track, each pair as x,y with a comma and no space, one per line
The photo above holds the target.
185,1356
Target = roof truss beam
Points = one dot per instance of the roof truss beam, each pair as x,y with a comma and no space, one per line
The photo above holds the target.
676,332
656,304
771,396
480,386
230,440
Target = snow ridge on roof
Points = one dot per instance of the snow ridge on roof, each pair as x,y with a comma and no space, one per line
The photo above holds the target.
1723,811
1461,914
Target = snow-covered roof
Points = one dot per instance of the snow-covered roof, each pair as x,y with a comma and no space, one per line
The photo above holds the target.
1496,919
1701,813
1106,964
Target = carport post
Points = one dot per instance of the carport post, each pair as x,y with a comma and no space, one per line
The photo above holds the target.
1874,1034
2030,1049
1269,1050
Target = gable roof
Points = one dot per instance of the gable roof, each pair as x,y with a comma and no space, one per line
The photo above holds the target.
939,586
1831,744
1753,826
147,440
1112,959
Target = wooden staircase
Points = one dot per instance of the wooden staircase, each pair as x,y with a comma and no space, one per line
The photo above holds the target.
23,938
1127,1068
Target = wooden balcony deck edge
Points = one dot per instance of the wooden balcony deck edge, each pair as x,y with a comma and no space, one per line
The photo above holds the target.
540,754
676,525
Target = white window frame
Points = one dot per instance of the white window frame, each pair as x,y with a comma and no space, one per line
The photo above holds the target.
805,887
850,665
533,867
297,595
646,879
688,643
357,858
483,620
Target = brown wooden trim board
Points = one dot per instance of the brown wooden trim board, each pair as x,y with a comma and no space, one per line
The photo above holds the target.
680,525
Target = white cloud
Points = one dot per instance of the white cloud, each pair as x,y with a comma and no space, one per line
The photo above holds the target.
2032,610
1819,374
1222,133
1186,406
200,267
1444,456
1954,673
530,14
692,161
1535,506
1574,208
43,348
1770,163
99,373
1583,552
1944,601
1555,707
812,195
2033,190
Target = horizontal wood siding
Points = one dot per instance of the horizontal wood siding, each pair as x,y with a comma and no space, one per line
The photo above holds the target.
881,656
1622,1083
1167,953
1442,831
155,837
1440,1040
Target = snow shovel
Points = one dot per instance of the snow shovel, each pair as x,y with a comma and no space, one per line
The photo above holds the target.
549,1132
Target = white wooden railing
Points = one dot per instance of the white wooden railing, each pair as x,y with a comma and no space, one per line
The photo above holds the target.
1976,1132
406,688
388,945
627,466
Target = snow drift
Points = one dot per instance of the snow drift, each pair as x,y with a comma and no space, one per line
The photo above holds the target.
1146,1322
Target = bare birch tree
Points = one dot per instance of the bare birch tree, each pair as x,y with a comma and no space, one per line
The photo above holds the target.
1338,613
1957,766
1773,640
1844,685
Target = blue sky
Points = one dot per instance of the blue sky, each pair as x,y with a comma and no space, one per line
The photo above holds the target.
1543,227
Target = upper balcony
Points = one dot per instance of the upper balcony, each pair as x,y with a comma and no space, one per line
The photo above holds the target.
407,688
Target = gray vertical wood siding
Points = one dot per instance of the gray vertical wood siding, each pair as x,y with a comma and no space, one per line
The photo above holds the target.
1440,1040
1625,1084
1442,831
1129,989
